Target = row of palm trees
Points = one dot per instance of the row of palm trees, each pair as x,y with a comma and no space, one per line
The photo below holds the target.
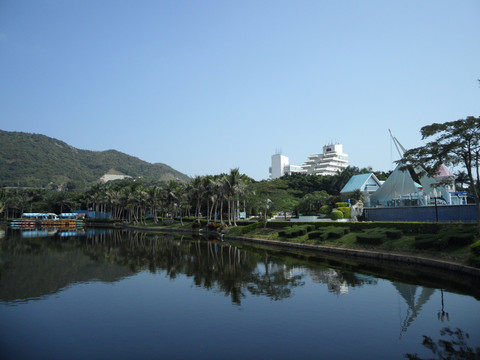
211,196
205,195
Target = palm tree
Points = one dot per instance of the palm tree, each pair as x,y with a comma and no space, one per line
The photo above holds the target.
196,195
222,193
462,178
173,194
233,188
216,195
114,197
153,193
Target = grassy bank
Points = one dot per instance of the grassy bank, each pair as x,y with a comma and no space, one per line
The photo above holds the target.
455,242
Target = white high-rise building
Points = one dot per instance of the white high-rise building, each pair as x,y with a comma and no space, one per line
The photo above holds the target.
281,166
279,162
332,161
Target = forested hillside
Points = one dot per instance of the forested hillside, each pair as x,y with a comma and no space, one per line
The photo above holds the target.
40,161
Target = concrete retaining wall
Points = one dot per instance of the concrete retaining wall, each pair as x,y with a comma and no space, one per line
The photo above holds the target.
439,264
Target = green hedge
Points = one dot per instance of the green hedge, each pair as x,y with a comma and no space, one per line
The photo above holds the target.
374,238
346,212
240,230
461,239
294,231
393,233
336,215
325,209
475,256
453,236
407,228
331,232
317,235
475,248
430,241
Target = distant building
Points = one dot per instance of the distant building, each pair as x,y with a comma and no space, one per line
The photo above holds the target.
281,166
279,162
367,184
332,161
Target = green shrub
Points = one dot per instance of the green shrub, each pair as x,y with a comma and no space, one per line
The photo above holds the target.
317,235
240,230
475,248
293,231
374,238
342,204
430,242
461,239
346,212
393,233
336,232
408,227
330,232
325,209
336,214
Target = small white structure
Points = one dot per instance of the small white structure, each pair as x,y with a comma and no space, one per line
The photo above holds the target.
110,177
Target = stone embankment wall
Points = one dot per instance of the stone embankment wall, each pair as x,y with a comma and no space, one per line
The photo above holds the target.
381,256
321,249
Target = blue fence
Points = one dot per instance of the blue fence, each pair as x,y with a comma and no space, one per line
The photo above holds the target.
441,213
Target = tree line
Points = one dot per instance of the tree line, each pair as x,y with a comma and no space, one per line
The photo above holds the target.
219,198
223,197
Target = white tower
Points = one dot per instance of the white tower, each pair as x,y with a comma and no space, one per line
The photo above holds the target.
279,163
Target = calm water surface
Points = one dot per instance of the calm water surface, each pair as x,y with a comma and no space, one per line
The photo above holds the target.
125,295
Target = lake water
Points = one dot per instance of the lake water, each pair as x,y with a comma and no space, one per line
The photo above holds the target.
131,295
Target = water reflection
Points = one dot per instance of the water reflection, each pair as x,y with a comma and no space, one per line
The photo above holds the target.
299,304
71,256
415,297
66,257
453,345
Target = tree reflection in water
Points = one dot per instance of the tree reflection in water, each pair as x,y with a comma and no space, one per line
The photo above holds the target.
276,281
453,347
212,264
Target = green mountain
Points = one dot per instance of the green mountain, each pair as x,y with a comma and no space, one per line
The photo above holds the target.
39,161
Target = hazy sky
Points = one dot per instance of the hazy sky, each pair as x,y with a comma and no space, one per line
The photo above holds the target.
207,86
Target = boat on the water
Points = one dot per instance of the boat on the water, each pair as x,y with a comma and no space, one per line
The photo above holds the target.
35,220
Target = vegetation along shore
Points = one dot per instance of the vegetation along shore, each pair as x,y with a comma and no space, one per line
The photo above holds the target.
236,206
453,247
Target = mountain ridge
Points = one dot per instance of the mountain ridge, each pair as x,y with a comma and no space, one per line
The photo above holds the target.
37,160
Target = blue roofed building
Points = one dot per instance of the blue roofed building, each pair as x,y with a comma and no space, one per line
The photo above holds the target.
366,183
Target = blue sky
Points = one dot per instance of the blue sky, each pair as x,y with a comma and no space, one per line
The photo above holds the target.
207,86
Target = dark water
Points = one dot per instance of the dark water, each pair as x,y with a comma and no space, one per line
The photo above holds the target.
129,295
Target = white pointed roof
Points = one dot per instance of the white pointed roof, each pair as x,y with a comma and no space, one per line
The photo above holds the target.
399,183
